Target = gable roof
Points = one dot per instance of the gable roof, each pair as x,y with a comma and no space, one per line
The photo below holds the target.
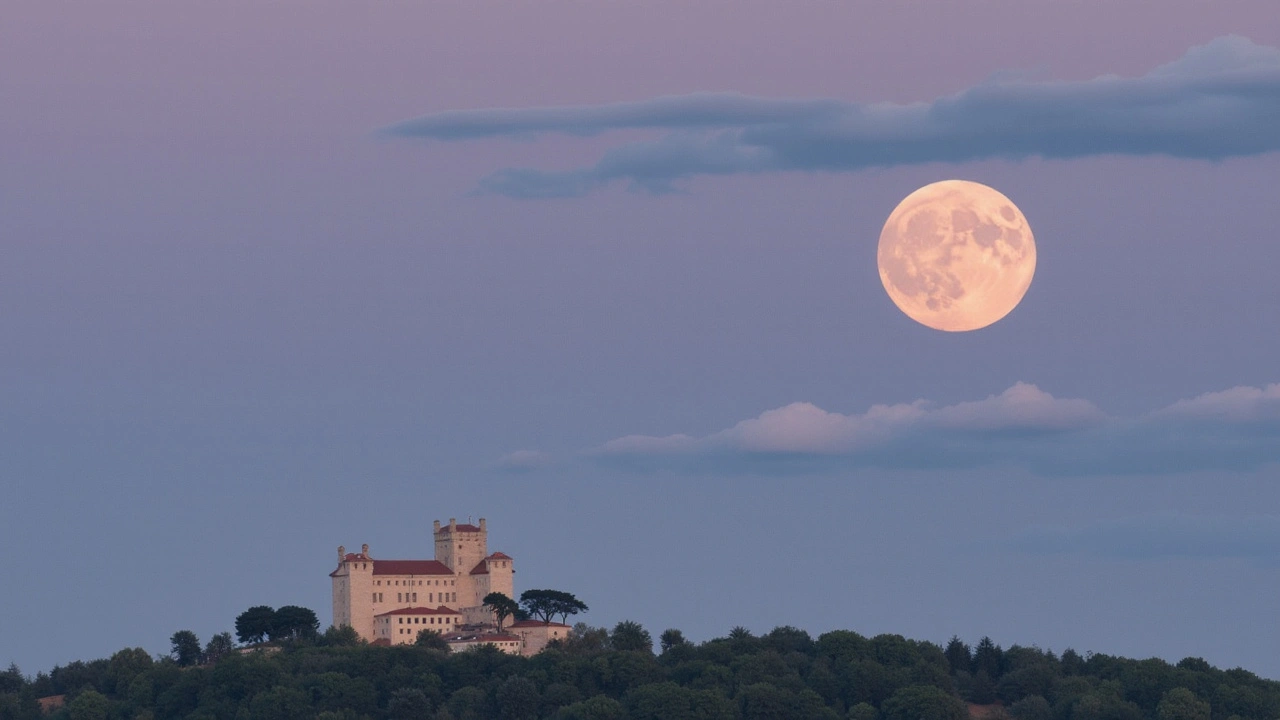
410,567
480,569
499,556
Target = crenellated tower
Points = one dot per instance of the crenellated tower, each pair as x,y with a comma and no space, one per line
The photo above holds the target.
461,547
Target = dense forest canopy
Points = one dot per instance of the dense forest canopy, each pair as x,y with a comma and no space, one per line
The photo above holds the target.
619,674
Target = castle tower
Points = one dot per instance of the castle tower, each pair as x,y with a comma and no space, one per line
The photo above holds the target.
461,546
352,590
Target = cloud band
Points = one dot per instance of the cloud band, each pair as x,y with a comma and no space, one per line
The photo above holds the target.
1219,100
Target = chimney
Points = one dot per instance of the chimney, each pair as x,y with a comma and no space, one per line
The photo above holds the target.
342,553
436,527
453,525
364,549
481,524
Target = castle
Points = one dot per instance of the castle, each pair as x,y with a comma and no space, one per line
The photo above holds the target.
388,602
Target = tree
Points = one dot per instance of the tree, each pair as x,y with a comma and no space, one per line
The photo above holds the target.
517,699
431,639
923,702
409,704
671,638
340,636
540,604
1031,707
567,604
958,655
982,691
219,646
1182,704
546,604
89,705
863,711
12,680
502,606
185,648
254,625
629,635
988,656
599,707
292,622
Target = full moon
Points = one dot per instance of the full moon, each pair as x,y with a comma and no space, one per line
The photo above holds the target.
956,255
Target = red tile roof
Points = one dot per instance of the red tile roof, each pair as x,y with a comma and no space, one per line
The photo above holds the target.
441,610
350,557
481,569
535,623
461,527
499,556
410,567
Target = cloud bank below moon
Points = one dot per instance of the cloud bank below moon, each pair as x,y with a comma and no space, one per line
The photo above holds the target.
1217,101
1236,429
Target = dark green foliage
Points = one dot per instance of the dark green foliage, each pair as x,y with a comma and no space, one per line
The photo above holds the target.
517,699
344,636
12,681
254,625
432,640
1031,707
89,705
863,711
786,639
293,623
219,646
185,648
1182,704
671,638
959,657
989,658
630,636
600,675
409,704
919,702
502,606
600,707
544,605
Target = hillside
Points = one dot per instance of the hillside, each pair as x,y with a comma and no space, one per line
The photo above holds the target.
619,675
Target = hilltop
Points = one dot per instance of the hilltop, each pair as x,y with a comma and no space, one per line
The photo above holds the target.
618,674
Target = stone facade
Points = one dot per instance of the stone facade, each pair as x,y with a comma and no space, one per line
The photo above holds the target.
459,577
535,634
401,627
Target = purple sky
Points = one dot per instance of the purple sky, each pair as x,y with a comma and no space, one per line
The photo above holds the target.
240,328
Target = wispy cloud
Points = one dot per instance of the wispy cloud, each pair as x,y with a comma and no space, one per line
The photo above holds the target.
523,461
1256,539
1024,426
1219,100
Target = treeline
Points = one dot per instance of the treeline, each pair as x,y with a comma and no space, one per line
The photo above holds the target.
618,674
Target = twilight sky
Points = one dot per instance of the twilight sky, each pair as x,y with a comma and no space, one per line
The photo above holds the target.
276,277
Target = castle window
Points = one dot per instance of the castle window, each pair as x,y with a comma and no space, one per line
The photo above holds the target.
415,597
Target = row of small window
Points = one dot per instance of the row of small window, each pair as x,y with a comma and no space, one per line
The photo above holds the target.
414,621
413,597
446,583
